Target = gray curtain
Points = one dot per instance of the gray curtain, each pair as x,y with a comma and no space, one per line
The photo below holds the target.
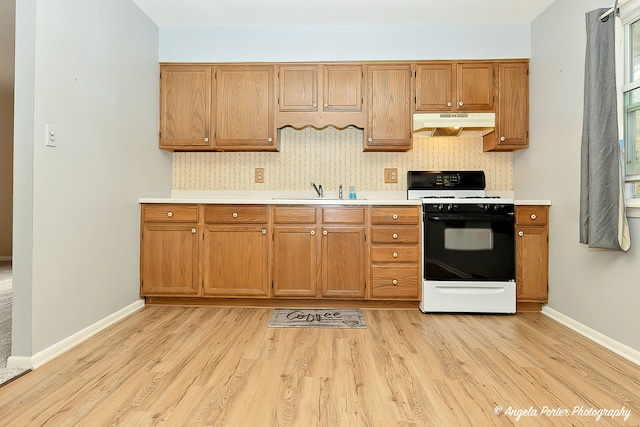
603,223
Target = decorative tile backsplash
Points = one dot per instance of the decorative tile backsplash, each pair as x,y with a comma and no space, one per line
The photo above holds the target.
332,157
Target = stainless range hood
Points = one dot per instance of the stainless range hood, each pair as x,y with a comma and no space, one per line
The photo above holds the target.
453,124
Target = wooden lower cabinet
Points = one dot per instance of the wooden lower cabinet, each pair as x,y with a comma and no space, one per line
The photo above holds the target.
169,259
532,256
235,261
289,252
395,253
169,250
343,262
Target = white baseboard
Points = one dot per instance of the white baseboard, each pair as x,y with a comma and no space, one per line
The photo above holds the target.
5,258
66,344
617,347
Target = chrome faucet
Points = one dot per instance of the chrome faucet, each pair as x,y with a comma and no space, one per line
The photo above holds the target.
318,189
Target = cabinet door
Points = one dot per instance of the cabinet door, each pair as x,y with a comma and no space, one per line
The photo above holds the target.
245,104
342,88
185,107
298,88
295,261
434,87
389,119
475,86
343,262
512,118
532,264
169,259
235,261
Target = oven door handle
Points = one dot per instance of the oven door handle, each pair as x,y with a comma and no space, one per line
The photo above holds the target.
508,217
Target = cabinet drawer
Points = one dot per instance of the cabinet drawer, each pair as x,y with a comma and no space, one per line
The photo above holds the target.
235,214
401,282
294,215
532,215
395,254
382,234
170,213
395,215
343,215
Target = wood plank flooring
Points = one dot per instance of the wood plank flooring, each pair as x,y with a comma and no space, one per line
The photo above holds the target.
214,366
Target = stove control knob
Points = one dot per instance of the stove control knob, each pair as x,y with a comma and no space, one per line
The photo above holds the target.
486,207
449,207
440,208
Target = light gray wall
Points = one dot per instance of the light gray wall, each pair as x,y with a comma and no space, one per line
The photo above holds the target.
250,44
595,287
92,71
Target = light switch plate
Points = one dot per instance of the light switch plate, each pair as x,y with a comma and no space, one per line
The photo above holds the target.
260,175
391,175
50,136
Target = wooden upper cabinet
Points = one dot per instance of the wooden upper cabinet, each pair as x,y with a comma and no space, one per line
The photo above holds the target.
512,111
186,116
435,87
245,108
388,125
298,88
475,86
455,87
342,88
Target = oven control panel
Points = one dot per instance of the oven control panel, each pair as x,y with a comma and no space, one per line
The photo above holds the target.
480,208
461,180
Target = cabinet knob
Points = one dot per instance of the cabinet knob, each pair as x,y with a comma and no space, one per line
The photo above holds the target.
395,282
314,105
169,214
533,216
449,104
370,139
326,105
193,231
395,236
264,231
235,214
270,139
395,216
502,138
206,140
461,103
324,232
312,232
395,254
520,233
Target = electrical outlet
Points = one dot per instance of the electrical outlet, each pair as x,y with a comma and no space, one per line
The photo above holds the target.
260,175
391,175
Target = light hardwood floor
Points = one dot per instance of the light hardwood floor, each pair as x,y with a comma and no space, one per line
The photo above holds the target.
175,366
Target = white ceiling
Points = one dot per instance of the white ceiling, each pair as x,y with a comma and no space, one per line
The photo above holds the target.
194,13
197,13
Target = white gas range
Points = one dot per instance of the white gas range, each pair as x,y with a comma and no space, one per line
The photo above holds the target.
468,243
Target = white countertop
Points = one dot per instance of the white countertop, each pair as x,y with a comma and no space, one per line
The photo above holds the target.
283,197
303,198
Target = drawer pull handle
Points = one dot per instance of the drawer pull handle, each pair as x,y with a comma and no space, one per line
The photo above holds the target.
395,216
395,254
264,231
235,214
533,216
312,232
461,103
169,214
193,231
520,233
324,232
314,105
395,282
395,236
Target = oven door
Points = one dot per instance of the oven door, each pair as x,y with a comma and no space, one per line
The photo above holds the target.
468,247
